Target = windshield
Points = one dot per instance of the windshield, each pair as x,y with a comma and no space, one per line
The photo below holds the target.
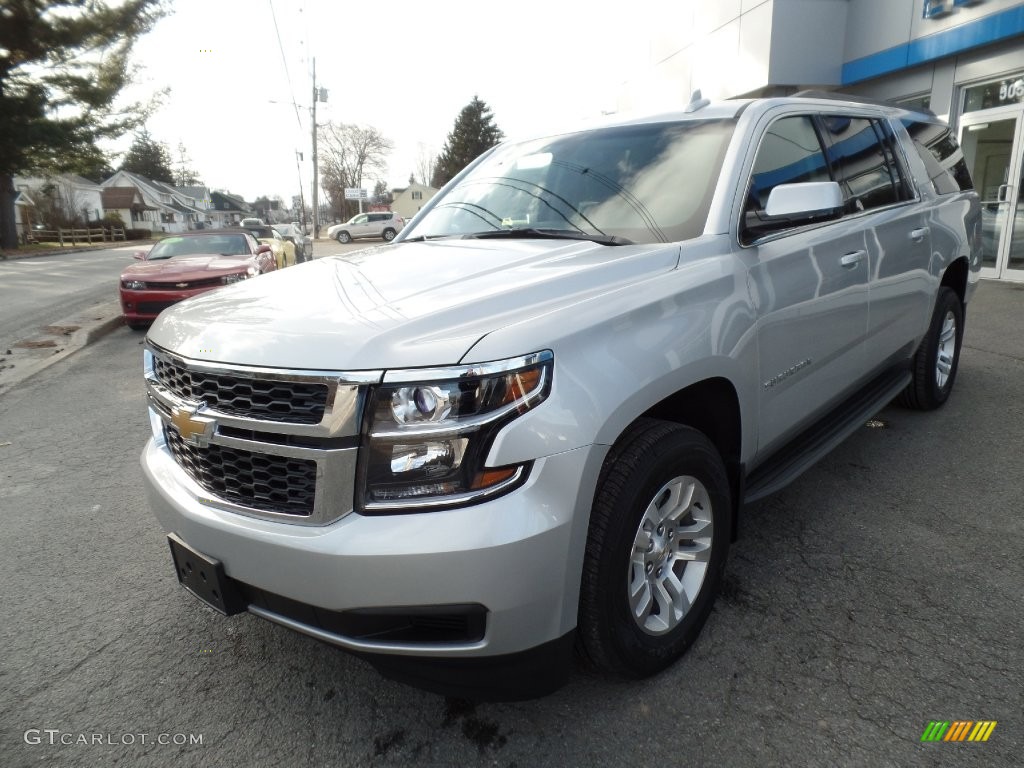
223,245
637,183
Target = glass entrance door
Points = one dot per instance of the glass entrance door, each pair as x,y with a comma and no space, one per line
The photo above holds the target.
992,144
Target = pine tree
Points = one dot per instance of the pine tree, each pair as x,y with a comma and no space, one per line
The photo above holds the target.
62,65
149,158
474,133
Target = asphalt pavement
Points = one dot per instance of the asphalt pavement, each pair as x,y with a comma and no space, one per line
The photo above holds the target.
878,593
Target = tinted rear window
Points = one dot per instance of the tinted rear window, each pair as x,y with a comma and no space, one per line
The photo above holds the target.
941,155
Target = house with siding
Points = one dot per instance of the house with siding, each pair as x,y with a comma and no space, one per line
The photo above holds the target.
407,201
227,209
77,198
165,208
128,204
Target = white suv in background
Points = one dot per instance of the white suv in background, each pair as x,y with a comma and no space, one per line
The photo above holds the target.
383,224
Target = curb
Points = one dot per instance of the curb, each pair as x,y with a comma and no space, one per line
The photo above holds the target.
92,324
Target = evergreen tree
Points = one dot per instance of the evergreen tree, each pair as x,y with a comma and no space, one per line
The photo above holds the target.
62,65
474,133
149,158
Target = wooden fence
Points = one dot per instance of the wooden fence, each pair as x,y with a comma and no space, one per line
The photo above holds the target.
75,236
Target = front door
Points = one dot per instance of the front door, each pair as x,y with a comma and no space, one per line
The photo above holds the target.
992,145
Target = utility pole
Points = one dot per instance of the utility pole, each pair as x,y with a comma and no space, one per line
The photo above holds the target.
316,176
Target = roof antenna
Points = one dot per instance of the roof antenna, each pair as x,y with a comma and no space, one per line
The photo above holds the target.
696,102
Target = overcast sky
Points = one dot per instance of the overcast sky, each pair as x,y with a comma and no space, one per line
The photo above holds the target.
405,68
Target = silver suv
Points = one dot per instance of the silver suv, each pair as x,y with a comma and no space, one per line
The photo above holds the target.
533,424
385,225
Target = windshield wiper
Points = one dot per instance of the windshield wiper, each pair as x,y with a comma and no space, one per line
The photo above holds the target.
552,234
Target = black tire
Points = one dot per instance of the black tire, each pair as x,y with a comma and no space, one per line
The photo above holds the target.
389,235
933,376
138,326
635,476
344,237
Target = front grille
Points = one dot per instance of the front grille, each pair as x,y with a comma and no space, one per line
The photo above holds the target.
186,285
154,307
290,402
258,480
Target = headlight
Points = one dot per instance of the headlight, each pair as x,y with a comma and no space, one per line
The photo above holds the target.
229,279
430,432
134,285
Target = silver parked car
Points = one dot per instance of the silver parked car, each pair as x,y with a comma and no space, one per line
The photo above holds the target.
533,421
383,224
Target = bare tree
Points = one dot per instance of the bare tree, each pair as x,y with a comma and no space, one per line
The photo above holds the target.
58,203
184,174
426,159
347,153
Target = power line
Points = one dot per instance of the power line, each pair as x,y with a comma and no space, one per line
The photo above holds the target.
284,60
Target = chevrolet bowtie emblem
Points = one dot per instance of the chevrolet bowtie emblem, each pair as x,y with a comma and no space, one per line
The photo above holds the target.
194,429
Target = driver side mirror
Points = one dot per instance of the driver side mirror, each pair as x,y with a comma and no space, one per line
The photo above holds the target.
809,200
264,248
140,255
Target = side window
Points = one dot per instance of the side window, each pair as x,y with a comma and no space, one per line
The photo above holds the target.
857,151
941,154
790,153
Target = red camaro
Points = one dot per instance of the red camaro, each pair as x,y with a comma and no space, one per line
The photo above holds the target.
184,265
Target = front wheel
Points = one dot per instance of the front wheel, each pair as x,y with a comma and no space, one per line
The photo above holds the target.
389,235
936,360
344,237
659,535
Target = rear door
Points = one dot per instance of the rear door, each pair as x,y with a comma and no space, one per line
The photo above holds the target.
881,198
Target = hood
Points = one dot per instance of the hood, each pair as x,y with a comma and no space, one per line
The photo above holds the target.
185,268
398,306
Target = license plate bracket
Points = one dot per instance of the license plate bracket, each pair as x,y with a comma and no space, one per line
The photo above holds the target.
204,577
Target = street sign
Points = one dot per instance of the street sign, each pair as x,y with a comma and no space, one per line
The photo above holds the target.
352,193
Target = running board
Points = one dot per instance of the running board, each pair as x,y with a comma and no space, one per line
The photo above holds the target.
814,443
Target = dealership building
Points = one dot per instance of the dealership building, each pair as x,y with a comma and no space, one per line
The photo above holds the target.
962,59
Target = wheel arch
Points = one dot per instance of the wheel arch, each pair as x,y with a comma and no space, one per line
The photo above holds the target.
712,407
955,277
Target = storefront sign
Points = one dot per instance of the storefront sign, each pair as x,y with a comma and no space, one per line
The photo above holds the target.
997,94
934,9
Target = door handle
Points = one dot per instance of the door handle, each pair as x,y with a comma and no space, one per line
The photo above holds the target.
853,259
917,235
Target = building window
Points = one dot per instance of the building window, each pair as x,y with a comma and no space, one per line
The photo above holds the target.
417,195
916,103
1010,90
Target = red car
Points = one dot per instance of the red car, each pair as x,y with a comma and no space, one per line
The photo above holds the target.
184,265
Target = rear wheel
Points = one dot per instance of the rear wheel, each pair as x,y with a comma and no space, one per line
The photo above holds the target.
936,360
656,549
344,237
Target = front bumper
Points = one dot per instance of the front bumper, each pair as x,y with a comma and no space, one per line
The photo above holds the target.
142,306
519,556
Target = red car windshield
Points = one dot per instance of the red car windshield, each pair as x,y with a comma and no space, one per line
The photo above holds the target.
221,245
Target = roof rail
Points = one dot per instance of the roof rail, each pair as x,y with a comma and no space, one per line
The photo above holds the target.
839,96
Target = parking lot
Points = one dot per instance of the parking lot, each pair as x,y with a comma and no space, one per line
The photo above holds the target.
879,592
